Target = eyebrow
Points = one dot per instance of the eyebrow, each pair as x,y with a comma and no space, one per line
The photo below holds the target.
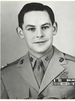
46,24
34,25
30,26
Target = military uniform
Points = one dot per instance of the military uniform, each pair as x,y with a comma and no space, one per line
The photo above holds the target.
18,81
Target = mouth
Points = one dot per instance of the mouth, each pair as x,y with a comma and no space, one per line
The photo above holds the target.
40,42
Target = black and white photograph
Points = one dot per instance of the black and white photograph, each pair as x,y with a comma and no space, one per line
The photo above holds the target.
37,50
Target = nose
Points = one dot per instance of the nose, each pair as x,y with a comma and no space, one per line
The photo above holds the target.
39,33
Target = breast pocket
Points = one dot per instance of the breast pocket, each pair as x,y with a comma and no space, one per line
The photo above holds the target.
62,92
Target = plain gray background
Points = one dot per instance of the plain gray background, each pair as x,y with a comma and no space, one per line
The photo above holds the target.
12,47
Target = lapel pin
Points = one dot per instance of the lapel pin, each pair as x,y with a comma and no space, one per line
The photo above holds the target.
61,59
22,61
31,59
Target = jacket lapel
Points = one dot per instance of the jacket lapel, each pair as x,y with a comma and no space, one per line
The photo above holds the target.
53,70
27,73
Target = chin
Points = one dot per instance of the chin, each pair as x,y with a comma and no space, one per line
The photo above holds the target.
41,50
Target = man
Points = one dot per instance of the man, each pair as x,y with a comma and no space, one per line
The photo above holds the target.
44,72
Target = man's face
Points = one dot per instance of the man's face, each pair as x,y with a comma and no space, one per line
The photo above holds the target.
38,31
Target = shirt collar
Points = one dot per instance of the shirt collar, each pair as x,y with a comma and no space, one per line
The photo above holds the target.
45,59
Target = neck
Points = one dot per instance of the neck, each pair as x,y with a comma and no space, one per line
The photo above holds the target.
38,55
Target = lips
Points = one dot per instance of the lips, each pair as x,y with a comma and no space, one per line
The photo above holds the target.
37,42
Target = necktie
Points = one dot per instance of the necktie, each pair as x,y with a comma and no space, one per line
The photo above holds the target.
39,71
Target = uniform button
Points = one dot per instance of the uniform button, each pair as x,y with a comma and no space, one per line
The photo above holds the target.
46,58
31,59
61,59
21,62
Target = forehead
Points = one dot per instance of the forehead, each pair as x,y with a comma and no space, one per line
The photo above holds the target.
36,17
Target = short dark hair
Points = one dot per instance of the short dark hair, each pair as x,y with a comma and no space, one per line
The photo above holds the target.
34,7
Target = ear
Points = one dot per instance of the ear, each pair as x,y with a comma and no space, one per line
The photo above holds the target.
55,28
20,32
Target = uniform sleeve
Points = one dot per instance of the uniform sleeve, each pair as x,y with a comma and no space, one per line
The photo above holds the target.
4,94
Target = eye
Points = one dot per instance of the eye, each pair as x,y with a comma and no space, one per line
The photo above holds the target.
45,27
31,29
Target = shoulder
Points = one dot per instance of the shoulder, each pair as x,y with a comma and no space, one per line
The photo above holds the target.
8,67
70,60
14,64
67,62
70,65
66,56
69,57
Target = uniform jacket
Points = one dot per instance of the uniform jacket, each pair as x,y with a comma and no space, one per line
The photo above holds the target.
18,81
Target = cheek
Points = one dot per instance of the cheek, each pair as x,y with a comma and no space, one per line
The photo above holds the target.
28,37
49,34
